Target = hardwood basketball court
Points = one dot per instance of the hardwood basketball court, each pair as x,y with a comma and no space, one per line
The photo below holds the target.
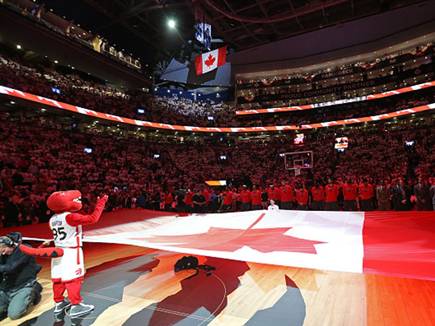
134,285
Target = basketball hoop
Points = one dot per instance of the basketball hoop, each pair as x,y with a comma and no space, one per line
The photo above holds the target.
298,160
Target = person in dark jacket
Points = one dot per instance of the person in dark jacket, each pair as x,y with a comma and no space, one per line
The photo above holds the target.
19,289
11,214
422,194
398,195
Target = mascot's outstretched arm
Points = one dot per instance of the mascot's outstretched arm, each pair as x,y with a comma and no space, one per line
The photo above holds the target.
49,252
76,219
15,239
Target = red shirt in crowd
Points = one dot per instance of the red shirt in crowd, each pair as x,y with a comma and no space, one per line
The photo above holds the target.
168,199
274,193
366,191
331,193
256,197
188,200
287,194
350,191
302,196
318,193
206,193
277,194
245,196
228,197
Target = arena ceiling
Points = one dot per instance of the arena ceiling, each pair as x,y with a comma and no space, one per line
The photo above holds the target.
139,26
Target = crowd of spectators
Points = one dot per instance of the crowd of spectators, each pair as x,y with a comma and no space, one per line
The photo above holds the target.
39,13
71,88
351,80
189,112
380,62
39,155
348,111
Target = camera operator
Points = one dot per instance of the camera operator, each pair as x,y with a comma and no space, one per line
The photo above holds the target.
19,289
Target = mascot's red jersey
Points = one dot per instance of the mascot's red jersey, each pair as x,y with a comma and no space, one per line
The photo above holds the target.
66,226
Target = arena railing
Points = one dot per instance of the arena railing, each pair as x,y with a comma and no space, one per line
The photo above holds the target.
338,102
156,125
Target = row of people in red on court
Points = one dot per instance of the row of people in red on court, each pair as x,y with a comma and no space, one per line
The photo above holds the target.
328,193
286,195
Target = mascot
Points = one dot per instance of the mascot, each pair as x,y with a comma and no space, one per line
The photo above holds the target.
67,266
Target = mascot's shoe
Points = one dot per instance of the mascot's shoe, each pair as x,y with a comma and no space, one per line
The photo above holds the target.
80,309
60,308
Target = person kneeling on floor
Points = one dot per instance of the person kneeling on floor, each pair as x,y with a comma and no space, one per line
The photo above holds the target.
19,290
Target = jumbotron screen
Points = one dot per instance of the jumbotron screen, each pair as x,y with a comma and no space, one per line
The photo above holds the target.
341,143
299,139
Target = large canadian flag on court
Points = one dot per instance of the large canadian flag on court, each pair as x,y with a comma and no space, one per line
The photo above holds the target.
390,243
209,61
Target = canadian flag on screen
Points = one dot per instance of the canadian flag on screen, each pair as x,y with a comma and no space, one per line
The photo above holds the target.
209,61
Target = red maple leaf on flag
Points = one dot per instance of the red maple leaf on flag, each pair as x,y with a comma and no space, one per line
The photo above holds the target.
210,60
222,239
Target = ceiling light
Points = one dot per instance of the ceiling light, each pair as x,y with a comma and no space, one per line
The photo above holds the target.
172,23
18,47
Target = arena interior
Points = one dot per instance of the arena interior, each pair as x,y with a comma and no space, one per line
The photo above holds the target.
186,162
